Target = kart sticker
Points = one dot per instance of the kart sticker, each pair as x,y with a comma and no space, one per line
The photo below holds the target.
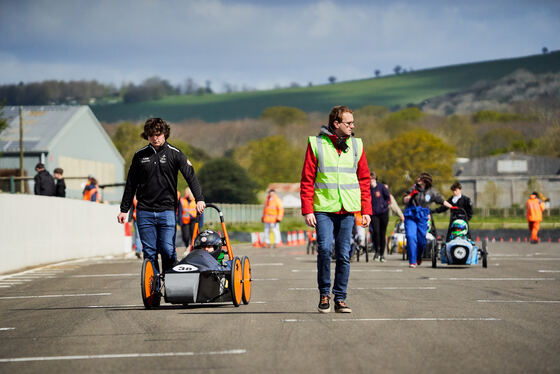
428,198
185,268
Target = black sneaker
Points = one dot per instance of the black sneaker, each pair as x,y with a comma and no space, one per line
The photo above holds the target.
341,307
324,304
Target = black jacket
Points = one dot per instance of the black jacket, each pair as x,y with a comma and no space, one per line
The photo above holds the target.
44,183
153,178
424,197
464,202
60,190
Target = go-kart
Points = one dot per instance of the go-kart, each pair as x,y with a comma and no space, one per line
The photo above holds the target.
460,249
192,280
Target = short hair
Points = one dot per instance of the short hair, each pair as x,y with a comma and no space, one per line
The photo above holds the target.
456,185
40,165
427,179
272,190
58,171
372,175
336,114
155,126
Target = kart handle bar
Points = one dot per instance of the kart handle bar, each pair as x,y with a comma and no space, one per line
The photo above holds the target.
226,236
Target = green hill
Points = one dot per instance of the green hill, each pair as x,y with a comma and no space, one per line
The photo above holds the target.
390,91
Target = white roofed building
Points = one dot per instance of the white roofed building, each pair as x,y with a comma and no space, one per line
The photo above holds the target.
69,137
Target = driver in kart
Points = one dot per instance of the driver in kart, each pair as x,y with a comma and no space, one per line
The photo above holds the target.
153,178
460,204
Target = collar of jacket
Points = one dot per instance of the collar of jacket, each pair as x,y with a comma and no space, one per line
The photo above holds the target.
333,137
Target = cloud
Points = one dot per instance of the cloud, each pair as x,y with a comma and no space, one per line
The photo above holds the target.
262,43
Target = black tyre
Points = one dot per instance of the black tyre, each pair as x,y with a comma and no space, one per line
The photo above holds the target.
149,285
434,256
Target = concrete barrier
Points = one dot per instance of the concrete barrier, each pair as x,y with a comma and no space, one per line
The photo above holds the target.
38,230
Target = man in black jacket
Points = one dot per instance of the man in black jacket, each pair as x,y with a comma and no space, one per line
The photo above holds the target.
44,182
153,178
461,206
60,185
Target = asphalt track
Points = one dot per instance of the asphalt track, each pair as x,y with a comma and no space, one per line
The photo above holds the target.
87,316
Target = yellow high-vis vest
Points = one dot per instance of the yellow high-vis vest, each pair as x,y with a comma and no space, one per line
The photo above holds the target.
336,182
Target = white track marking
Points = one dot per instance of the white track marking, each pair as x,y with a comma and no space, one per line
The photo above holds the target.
393,319
352,271
103,275
7,328
549,271
494,279
520,301
265,279
366,288
531,259
124,355
48,296
269,264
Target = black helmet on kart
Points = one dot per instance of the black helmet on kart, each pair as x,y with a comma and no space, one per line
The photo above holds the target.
208,238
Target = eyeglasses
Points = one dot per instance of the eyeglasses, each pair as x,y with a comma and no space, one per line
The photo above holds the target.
348,123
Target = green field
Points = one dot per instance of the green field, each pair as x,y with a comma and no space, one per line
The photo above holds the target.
390,91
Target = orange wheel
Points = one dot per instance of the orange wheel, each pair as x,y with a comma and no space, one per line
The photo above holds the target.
148,285
247,281
236,278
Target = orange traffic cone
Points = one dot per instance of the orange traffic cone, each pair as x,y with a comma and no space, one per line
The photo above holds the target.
256,239
301,238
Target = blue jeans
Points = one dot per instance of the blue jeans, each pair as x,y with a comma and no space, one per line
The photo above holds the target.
339,227
157,233
137,241
416,226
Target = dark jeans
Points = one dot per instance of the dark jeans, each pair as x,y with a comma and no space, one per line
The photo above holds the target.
157,232
339,226
187,233
378,230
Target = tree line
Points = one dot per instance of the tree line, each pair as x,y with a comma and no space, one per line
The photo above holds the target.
398,145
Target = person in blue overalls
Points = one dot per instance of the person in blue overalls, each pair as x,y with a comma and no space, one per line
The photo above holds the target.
416,214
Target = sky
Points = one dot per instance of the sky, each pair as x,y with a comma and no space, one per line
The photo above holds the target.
261,44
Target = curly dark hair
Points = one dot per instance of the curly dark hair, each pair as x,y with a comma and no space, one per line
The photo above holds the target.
155,126
427,179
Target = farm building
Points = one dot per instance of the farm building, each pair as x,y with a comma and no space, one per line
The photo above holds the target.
69,137
506,180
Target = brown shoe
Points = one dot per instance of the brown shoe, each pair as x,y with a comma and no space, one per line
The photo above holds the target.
324,304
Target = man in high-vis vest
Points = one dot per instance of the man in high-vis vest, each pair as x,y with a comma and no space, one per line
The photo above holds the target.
334,186
187,216
272,216
535,207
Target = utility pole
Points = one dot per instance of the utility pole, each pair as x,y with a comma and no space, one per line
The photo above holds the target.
22,182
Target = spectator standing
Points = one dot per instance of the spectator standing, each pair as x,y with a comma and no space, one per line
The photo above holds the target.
44,182
457,200
334,186
60,188
186,217
416,215
535,207
380,200
91,190
153,178
273,214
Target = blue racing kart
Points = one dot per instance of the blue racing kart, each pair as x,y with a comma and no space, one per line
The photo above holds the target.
460,249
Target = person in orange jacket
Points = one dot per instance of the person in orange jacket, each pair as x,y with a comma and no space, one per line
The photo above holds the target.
535,207
91,192
187,216
273,214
